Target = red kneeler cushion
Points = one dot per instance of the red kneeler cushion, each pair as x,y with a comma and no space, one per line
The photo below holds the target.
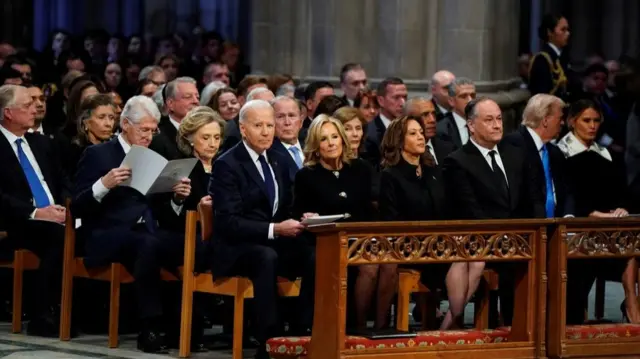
296,347
596,331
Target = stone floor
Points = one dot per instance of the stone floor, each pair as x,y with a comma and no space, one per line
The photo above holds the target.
22,346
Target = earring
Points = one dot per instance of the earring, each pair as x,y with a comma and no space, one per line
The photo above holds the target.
317,154
191,144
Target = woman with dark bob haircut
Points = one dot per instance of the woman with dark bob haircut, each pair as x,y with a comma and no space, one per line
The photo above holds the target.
411,186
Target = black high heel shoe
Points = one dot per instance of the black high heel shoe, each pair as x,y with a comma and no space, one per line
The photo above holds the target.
623,309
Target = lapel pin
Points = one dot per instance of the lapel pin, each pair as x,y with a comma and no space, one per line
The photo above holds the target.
342,194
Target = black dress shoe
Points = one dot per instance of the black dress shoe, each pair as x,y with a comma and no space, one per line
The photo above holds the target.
151,342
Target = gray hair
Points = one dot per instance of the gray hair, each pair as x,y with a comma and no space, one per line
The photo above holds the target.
410,102
139,107
252,105
285,89
460,81
8,94
256,91
209,90
539,107
282,98
148,70
172,87
157,98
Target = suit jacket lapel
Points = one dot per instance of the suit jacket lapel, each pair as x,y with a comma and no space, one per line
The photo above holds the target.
273,161
250,168
510,164
40,158
483,171
11,163
453,130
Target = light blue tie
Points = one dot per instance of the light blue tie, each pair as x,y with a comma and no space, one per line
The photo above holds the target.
37,189
550,204
296,155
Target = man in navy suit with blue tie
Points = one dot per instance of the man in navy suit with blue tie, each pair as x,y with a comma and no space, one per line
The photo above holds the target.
288,125
32,188
253,232
118,222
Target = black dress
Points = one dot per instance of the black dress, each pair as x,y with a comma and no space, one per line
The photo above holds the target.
347,191
405,196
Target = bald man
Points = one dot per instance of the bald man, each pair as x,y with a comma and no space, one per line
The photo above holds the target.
439,82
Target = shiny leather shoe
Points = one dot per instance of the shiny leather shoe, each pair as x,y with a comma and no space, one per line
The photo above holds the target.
151,342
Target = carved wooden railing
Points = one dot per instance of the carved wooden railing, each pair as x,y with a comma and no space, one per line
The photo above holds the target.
586,238
343,244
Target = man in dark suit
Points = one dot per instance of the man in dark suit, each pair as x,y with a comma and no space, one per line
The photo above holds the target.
40,126
180,96
254,235
286,142
392,95
439,90
424,109
487,181
118,222
353,80
453,127
32,188
542,122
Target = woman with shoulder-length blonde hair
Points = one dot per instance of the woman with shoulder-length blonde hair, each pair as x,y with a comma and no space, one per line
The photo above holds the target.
333,182
200,135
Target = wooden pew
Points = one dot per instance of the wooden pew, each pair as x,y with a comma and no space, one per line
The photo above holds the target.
22,260
73,267
580,238
237,287
522,241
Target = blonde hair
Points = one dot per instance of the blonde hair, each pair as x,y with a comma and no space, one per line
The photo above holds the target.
312,143
196,118
539,107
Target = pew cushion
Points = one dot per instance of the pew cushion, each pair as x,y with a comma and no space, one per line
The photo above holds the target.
294,347
594,331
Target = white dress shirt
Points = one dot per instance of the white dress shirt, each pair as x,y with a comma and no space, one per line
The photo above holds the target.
431,150
297,145
349,101
32,159
485,153
175,123
442,109
39,130
255,158
99,190
385,121
461,123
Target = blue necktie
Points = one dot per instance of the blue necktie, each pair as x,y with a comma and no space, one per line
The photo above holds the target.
550,205
296,155
37,189
268,179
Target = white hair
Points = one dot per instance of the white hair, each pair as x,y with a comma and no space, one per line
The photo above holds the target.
282,98
172,87
410,102
148,70
209,90
252,105
539,107
8,94
256,91
139,107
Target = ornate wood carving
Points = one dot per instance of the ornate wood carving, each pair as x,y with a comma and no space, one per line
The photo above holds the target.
603,243
423,248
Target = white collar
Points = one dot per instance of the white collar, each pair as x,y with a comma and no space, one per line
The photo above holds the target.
536,138
460,121
125,146
429,144
485,151
253,154
175,123
555,48
287,146
10,136
385,121
571,146
39,130
442,109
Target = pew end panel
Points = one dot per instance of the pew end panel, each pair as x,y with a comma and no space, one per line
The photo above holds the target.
339,245
593,239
